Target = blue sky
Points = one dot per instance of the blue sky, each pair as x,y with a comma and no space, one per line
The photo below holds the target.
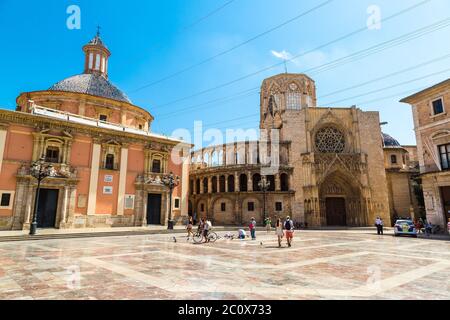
150,40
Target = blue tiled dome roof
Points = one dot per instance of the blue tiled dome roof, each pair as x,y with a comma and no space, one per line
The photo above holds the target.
388,141
92,84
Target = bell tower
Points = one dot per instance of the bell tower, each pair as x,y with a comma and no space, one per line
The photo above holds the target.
96,57
283,98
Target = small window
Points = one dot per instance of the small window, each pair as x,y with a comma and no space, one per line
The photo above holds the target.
6,200
177,203
97,62
202,207
109,163
156,166
103,118
438,106
278,206
393,159
223,207
251,206
52,155
140,127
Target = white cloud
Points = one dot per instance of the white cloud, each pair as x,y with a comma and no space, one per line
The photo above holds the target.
284,55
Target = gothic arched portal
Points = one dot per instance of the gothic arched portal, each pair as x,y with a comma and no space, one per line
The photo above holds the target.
341,202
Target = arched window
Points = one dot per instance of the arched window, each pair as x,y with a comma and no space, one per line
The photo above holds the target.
156,166
271,180
214,185
222,184
109,162
91,60
205,185
231,183
206,159
243,186
97,62
197,186
220,156
394,159
293,98
52,154
256,180
284,180
215,159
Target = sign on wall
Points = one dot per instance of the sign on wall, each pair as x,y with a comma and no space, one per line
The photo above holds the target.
107,190
82,200
109,178
129,201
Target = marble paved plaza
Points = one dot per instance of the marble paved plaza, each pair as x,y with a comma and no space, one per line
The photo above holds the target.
321,265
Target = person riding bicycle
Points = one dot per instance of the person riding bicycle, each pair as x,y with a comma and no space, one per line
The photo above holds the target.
206,228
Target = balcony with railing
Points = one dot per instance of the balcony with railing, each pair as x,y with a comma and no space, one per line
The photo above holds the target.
75,118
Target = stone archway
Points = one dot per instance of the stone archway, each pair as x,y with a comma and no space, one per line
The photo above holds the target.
341,201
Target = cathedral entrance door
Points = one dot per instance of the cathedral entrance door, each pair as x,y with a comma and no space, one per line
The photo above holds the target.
154,209
336,212
47,207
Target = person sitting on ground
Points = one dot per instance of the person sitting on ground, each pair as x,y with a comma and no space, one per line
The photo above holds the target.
242,234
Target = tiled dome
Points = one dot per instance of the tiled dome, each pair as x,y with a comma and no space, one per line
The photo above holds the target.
388,141
92,84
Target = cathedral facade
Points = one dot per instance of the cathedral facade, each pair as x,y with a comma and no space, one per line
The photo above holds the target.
331,165
109,166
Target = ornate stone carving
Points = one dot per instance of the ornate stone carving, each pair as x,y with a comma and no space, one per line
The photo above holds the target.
330,140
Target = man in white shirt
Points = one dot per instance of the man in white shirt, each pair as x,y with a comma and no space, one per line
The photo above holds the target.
379,225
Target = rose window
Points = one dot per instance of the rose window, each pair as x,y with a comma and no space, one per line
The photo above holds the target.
330,140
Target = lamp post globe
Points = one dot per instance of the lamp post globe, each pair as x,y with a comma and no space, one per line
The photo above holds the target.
264,185
39,170
171,182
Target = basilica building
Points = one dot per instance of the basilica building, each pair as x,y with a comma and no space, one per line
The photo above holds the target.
334,166
109,167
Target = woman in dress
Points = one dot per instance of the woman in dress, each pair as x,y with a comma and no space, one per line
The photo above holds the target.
189,227
279,231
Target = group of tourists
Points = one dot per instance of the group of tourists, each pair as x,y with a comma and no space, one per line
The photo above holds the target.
204,228
282,229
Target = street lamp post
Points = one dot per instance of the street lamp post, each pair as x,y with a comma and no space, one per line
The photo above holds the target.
171,182
264,185
39,170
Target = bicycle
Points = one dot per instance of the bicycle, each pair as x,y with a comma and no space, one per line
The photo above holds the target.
211,237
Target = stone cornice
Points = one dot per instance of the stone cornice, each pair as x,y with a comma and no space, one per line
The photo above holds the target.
21,118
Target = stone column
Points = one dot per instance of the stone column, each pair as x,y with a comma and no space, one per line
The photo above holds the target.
3,133
209,184
226,183
122,181
277,182
249,181
202,189
29,206
236,182
65,202
93,184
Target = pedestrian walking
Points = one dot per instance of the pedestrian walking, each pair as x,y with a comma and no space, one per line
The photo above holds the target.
289,227
379,225
189,227
268,224
279,231
252,228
